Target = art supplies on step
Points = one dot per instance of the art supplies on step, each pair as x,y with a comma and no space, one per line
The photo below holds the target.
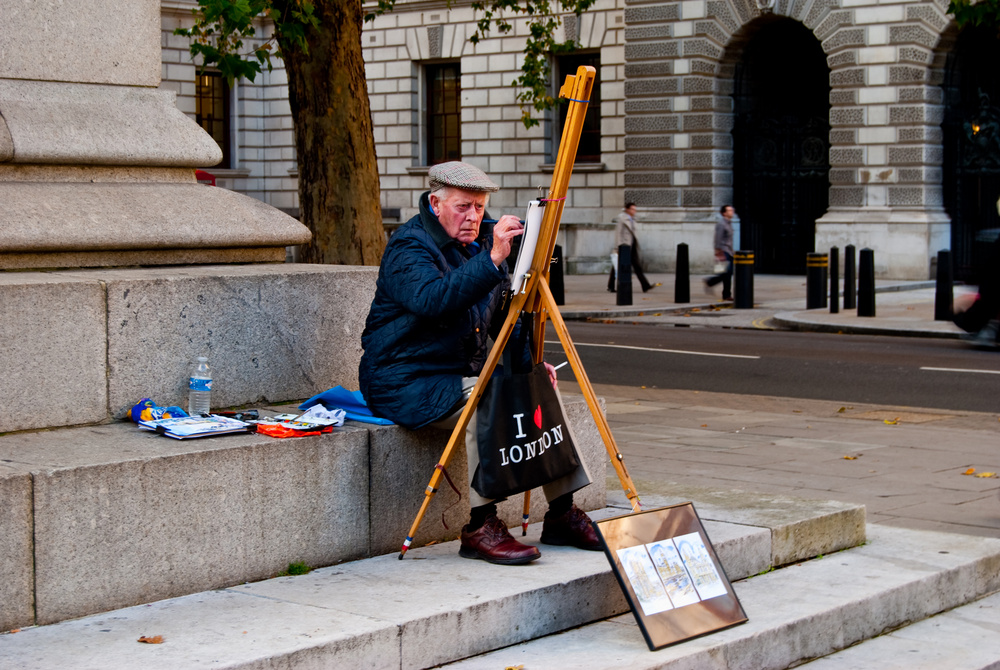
185,427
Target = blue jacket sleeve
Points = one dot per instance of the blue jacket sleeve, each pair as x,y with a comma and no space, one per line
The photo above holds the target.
419,280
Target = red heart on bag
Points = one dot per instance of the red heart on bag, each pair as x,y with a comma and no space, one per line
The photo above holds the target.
538,416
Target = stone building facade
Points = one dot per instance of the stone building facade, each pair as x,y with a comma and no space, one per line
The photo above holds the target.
826,123
253,123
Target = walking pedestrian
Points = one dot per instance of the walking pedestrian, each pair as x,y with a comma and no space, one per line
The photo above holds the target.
625,234
723,244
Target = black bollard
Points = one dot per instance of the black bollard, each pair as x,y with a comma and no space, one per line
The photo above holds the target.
850,292
682,280
624,275
866,283
815,280
944,296
556,283
743,280
834,280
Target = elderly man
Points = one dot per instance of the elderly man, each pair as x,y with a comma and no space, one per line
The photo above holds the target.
438,298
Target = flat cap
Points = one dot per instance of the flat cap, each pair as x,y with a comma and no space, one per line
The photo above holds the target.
460,175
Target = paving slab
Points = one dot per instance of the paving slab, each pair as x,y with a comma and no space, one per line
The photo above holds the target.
794,614
799,528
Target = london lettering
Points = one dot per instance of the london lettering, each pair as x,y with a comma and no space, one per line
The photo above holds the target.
517,452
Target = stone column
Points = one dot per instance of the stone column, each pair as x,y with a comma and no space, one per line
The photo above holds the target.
96,164
886,153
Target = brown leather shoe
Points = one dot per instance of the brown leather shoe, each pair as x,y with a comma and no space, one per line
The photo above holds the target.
493,543
571,529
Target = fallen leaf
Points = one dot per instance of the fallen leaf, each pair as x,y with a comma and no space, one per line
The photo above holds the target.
156,639
16,630
970,471
514,667
704,425
986,475
850,458
797,411
841,410
891,422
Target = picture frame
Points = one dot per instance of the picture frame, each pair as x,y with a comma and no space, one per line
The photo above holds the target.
670,575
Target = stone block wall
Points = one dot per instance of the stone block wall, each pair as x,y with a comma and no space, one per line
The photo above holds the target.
885,116
262,141
396,47
84,346
666,83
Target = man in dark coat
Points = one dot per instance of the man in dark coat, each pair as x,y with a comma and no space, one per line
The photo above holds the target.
437,299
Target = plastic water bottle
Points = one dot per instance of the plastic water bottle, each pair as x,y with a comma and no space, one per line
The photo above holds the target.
200,388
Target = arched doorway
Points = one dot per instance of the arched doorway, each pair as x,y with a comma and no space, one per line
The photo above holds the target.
781,142
971,131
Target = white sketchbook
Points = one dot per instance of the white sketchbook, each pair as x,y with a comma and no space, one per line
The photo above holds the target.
529,239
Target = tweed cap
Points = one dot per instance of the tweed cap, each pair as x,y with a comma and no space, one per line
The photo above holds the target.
460,175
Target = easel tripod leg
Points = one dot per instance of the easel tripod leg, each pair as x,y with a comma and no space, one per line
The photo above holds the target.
617,460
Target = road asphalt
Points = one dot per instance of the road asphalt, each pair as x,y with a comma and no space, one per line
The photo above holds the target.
911,467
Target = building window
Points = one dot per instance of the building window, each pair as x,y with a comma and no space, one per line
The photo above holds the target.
589,150
212,111
444,113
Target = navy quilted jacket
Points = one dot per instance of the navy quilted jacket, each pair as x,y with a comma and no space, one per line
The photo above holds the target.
427,328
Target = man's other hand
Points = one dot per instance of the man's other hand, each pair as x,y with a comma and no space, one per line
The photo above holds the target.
552,374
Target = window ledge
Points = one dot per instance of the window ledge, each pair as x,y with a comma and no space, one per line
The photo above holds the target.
578,167
418,169
228,173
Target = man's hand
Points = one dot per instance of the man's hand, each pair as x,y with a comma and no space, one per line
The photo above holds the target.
720,256
505,230
552,374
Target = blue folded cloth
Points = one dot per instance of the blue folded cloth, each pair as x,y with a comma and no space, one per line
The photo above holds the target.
352,402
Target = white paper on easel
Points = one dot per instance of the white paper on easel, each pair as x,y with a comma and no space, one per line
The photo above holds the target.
529,239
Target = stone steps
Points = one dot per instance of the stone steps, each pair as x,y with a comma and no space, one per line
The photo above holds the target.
965,638
98,518
814,609
431,608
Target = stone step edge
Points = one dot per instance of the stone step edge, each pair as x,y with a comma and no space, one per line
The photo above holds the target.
963,638
802,612
364,610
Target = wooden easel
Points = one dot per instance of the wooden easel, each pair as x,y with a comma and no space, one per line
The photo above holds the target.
537,299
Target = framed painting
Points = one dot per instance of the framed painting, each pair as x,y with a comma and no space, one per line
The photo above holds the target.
668,571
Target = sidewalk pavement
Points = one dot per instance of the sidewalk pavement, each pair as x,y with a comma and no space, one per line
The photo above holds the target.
901,307
909,466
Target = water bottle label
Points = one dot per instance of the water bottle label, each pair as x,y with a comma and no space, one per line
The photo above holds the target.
200,384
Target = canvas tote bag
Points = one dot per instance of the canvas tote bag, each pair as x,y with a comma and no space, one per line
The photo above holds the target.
522,434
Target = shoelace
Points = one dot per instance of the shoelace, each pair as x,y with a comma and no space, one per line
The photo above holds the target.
496,528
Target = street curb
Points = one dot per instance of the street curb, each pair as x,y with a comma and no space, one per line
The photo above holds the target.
793,321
